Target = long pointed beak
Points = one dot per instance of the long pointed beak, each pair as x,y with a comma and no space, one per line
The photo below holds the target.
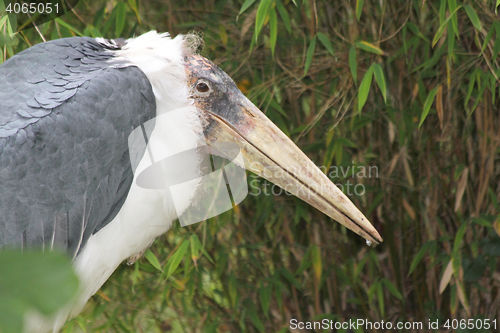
269,153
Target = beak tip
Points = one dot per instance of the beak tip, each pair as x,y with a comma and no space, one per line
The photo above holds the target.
376,238
372,237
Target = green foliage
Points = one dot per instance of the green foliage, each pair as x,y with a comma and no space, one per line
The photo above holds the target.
429,126
44,282
326,42
427,105
310,54
364,88
262,14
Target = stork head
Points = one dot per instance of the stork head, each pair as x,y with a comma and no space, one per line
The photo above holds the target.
229,117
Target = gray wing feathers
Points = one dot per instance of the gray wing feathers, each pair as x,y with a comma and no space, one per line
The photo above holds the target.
65,118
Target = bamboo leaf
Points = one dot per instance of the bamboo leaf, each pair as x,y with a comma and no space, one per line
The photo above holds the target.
309,55
68,26
305,263
346,142
223,34
133,5
493,87
196,247
478,98
442,11
438,34
379,77
496,46
353,65
451,44
12,25
453,298
452,5
440,31
262,11
9,47
150,256
392,289
338,153
473,17
2,20
275,105
483,222
316,261
329,154
427,105
94,32
439,105
284,16
459,236
380,297
461,188
255,319
486,39
416,31
364,88
418,257
369,47
371,292
278,296
472,82
265,297
245,6
176,259
121,10
359,269
463,297
496,6
273,26
359,8
445,279
456,262
326,42
290,278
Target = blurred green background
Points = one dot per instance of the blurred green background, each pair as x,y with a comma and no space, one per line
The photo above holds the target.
408,90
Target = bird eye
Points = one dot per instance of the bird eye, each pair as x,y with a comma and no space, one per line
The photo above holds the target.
202,87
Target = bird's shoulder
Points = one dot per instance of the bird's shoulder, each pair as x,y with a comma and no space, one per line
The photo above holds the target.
39,79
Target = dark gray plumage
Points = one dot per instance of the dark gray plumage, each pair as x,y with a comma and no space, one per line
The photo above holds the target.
65,118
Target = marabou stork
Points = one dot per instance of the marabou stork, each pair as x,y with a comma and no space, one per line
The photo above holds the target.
67,177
